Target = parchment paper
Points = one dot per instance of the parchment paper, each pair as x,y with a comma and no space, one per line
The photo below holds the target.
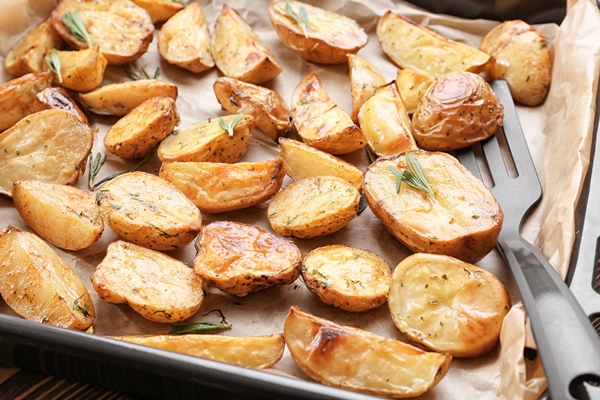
558,133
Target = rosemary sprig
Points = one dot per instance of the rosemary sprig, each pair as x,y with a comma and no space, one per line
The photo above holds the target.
54,64
136,76
372,156
97,162
73,21
191,327
301,20
413,176
228,127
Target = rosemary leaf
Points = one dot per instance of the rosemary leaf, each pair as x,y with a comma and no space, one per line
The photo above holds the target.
54,64
413,176
372,156
138,76
228,127
192,327
399,177
302,20
73,21
362,204
97,163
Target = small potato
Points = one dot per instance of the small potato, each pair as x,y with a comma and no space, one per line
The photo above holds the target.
156,286
268,108
385,123
360,361
207,141
65,216
327,37
239,259
81,70
147,210
303,161
50,146
258,352
160,10
320,122
18,97
219,187
462,219
39,285
27,56
410,45
458,110
121,29
239,52
448,305
313,206
59,98
137,133
412,85
364,80
121,98
184,40
351,279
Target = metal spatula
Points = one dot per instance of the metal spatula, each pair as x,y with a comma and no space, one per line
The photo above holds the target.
568,344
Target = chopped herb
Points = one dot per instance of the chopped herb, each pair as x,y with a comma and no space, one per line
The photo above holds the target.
237,48
193,327
73,21
54,64
82,308
228,127
413,176
301,20
233,101
362,203
97,162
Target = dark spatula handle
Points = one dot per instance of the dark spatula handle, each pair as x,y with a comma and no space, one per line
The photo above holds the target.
568,345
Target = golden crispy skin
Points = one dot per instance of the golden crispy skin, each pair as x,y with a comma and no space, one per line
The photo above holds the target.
59,98
18,97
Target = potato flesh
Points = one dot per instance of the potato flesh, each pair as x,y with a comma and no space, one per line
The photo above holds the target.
159,10
361,361
82,70
412,85
364,81
39,285
18,97
59,98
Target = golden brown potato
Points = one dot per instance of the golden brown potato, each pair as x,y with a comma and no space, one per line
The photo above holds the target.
462,219
239,52
303,161
412,85
160,10
156,286
320,122
27,55
364,80
410,45
219,187
316,34
268,108
184,40
348,278
239,258
314,206
121,29
39,285
137,133
385,123
18,97
458,110
50,146
121,98
522,58
81,70
257,352
207,141
59,98
448,305
361,361
147,210
65,216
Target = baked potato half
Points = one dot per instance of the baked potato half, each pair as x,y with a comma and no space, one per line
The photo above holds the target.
18,97
59,98
160,10
81,70
364,80
412,85
461,219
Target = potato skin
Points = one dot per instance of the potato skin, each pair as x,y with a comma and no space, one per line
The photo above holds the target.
458,110
463,220
159,10
18,97
59,98
81,70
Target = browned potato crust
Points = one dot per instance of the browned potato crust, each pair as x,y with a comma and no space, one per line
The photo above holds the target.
18,97
81,70
59,98
239,259
364,80
160,10
412,85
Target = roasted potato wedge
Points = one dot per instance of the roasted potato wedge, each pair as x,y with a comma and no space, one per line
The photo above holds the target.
27,55
239,258
462,219
219,187
208,141
385,124
361,361
18,97
156,286
147,210
258,352
325,38
410,45
239,52
303,161
81,70
522,58
137,133
364,80
59,98
184,40
412,85
351,279
448,305
160,10
268,108
320,122
65,216
39,285
121,29
313,206
50,146
121,98
458,110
